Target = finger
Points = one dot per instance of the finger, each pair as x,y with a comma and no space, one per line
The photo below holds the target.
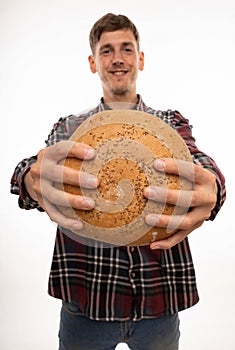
184,221
170,242
57,217
174,166
178,197
64,174
194,173
58,197
176,238
81,151
65,149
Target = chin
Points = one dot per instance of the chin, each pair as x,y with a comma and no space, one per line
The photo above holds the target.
119,91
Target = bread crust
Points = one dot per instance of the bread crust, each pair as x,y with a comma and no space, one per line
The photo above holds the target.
127,142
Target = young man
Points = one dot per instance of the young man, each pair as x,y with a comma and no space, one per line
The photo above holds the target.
119,294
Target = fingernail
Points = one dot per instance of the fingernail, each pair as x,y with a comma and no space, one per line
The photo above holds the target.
149,192
88,203
152,219
92,181
89,153
154,246
159,164
77,225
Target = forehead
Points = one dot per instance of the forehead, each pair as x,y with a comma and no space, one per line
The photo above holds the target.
117,38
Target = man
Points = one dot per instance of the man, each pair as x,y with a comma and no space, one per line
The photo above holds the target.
119,294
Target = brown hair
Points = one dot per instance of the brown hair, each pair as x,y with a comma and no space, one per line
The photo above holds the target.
110,23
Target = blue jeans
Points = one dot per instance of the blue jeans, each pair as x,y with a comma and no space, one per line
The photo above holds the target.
80,333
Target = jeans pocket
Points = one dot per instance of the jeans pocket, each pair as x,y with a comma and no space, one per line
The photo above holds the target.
71,309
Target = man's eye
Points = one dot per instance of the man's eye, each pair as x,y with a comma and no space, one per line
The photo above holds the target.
127,50
106,52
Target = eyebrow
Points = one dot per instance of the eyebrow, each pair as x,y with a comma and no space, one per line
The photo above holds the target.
123,44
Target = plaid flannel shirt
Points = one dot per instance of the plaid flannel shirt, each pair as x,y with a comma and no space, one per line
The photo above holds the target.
121,283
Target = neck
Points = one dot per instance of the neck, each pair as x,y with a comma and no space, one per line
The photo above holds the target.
121,102
121,99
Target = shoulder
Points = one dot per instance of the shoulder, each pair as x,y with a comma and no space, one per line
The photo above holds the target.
65,126
73,120
170,116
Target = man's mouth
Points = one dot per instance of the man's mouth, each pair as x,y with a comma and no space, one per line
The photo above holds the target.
118,72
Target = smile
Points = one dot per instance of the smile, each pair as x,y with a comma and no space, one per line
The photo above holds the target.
119,72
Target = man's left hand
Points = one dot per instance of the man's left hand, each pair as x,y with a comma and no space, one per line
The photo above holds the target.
201,200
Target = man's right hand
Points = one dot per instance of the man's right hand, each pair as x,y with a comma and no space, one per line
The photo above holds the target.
46,171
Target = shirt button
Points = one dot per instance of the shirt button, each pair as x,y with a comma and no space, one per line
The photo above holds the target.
132,249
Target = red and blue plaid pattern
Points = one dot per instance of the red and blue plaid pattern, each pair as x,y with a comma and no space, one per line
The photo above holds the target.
119,283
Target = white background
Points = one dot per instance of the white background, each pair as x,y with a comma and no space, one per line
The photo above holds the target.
44,74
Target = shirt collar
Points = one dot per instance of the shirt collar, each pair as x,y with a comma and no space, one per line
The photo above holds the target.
139,106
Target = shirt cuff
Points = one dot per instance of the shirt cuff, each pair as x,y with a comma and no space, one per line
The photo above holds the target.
25,200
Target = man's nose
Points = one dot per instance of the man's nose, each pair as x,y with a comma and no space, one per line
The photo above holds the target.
117,58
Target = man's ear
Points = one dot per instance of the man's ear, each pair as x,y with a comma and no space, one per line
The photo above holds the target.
141,61
92,63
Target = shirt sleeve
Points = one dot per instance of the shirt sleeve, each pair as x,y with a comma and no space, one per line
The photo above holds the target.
61,131
185,130
18,187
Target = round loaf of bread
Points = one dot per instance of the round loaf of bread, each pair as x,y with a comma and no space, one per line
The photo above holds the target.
126,142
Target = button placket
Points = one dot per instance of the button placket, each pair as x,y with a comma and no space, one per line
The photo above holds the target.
132,278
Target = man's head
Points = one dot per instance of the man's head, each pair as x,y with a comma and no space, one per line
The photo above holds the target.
111,23
116,57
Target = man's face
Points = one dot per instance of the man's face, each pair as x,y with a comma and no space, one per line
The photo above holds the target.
117,61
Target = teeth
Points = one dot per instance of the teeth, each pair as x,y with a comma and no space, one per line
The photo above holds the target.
118,73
